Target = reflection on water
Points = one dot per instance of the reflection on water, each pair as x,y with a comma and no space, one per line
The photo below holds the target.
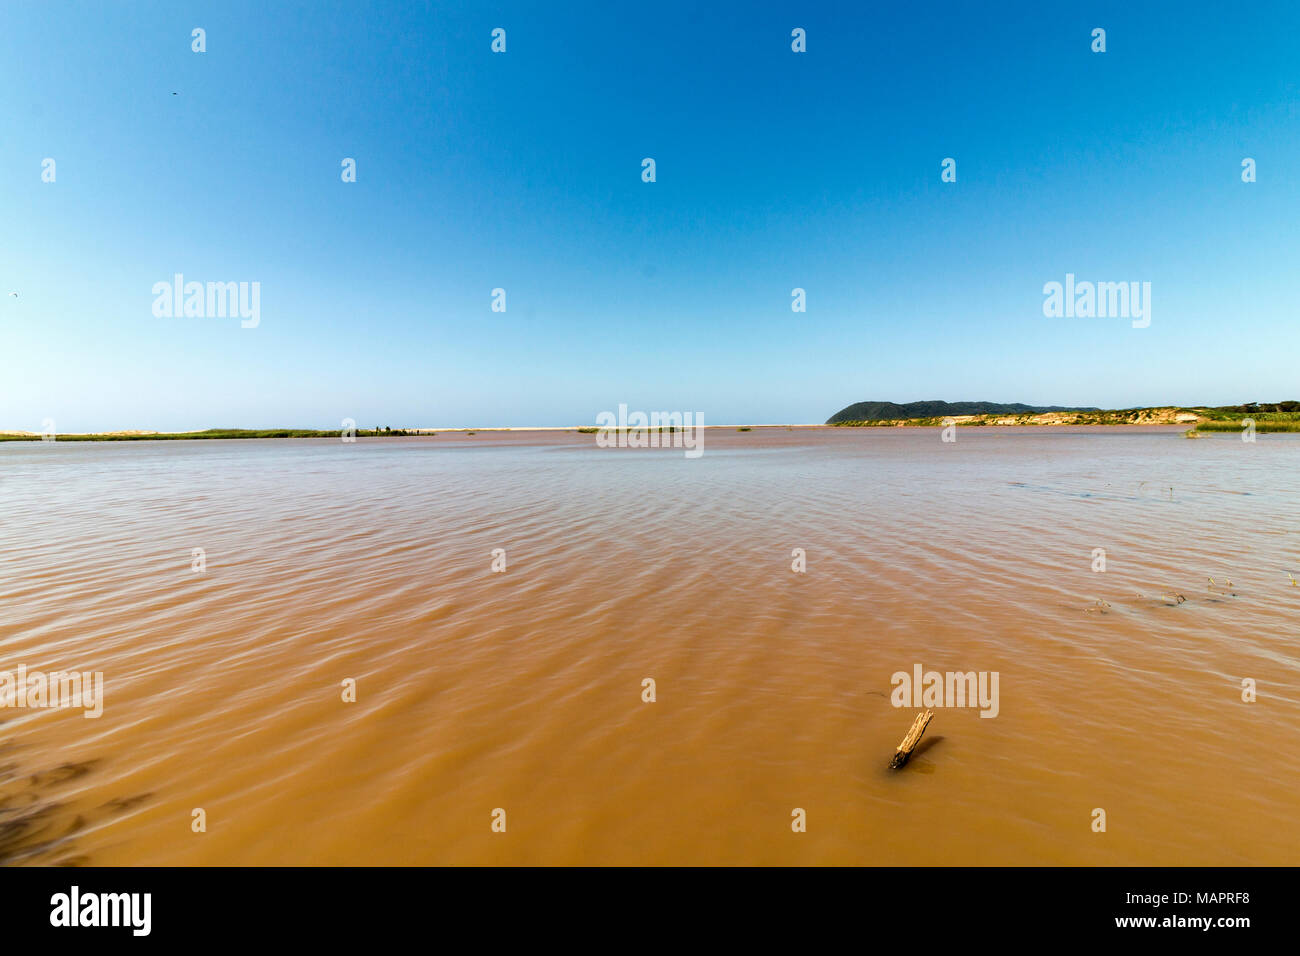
371,561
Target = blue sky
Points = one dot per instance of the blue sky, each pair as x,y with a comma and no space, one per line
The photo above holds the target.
522,171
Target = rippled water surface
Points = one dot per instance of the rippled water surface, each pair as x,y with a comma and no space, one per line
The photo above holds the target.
522,690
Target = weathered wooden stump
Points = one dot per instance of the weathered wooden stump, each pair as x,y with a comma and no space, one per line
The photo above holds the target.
904,752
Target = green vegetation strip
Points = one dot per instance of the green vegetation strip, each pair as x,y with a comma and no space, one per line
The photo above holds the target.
218,433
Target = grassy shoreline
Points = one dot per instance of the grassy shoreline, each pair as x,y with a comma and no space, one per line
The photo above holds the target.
210,433
1260,426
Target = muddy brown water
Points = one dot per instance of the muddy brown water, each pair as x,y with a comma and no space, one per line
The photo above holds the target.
522,690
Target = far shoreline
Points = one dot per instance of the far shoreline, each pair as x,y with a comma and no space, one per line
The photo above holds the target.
1194,421
282,434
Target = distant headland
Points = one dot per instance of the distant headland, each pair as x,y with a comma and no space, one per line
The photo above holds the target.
892,411
1267,416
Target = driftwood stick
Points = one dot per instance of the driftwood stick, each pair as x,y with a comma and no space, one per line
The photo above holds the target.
913,738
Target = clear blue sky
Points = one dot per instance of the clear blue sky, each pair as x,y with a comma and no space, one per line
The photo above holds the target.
523,171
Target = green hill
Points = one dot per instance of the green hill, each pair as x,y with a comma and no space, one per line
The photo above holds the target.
892,411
